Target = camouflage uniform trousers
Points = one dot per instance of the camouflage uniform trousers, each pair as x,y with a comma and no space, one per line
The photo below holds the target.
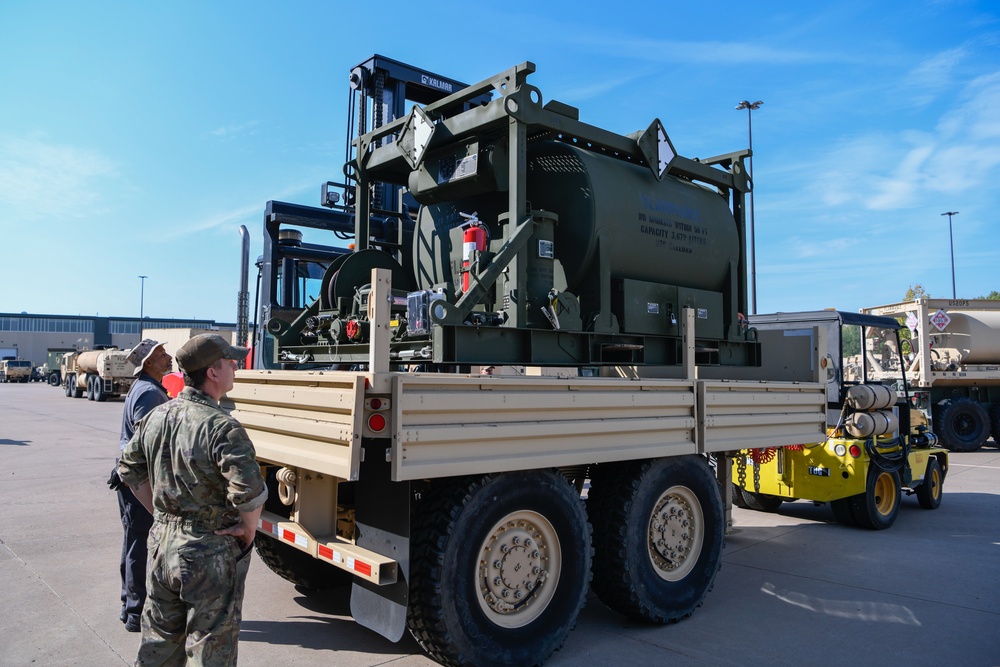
195,582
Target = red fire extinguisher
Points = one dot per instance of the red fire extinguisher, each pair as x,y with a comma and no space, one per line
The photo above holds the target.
474,239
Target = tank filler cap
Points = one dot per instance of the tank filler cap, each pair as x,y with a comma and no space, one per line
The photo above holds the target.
657,149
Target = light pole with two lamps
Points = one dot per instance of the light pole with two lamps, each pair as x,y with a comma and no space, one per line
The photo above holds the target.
750,107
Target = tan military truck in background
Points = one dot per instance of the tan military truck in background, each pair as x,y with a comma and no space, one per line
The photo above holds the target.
100,374
953,366
15,370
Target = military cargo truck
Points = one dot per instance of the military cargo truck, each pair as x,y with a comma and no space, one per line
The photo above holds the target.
15,370
492,228
953,366
52,368
100,374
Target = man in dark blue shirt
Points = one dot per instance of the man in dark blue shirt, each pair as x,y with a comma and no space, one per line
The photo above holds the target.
151,363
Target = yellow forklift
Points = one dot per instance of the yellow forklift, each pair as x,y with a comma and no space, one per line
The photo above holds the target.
879,445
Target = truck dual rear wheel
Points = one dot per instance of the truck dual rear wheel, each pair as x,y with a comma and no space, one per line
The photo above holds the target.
658,542
962,424
929,491
499,568
878,506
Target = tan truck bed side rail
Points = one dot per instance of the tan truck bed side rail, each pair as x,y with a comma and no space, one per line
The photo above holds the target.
751,415
463,425
444,425
309,420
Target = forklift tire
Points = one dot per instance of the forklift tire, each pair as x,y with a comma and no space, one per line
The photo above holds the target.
842,511
962,424
760,502
930,490
500,568
995,424
658,547
878,506
299,567
738,498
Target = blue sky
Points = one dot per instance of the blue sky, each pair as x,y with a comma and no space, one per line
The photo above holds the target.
135,137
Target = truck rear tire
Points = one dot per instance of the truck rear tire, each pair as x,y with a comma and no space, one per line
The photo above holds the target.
99,394
77,389
962,424
878,506
658,546
499,568
930,490
299,567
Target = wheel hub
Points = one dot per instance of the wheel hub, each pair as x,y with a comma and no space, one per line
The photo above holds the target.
676,533
518,569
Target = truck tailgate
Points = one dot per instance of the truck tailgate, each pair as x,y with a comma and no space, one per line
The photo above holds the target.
306,419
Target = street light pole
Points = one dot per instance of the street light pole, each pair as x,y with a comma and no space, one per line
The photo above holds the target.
951,242
142,298
750,107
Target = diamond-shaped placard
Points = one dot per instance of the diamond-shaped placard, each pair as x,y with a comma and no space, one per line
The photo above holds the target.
657,148
415,136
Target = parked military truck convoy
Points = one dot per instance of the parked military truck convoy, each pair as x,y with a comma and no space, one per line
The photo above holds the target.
493,228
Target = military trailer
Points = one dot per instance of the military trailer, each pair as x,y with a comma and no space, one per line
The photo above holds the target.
953,366
100,374
492,228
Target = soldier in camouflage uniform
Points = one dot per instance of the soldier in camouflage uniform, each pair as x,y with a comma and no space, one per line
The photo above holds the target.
195,469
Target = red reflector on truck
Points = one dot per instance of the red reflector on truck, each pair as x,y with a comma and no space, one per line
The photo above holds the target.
376,423
855,451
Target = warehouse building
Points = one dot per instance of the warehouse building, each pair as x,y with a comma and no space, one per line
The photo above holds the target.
29,336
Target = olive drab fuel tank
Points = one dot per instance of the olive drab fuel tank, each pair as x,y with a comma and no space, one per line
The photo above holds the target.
667,232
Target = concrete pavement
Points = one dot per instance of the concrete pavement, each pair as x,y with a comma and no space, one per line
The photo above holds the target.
795,588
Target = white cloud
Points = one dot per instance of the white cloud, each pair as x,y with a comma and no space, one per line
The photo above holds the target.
230,132
907,169
42,180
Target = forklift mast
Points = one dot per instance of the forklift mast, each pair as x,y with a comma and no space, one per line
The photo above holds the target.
381,89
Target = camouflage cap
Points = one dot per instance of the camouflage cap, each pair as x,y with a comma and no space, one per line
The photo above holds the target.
141,352
205,349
